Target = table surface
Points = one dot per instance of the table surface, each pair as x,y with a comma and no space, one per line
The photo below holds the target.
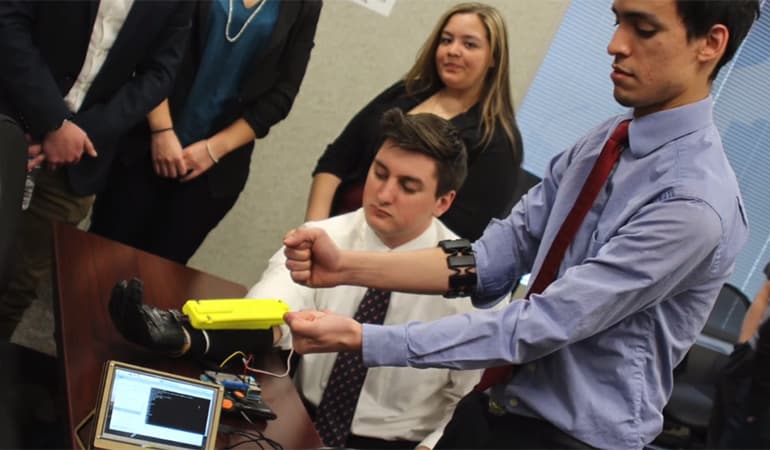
86,268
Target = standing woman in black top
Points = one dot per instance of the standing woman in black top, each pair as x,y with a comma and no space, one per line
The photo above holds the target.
460,74
184,169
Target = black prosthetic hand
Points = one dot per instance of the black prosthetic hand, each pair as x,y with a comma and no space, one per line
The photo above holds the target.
170,331
145,325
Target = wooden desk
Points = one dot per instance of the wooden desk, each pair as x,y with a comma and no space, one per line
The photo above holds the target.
86,268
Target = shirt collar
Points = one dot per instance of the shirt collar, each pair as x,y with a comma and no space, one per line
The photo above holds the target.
649,133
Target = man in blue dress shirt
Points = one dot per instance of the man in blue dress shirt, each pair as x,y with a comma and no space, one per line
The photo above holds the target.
598,345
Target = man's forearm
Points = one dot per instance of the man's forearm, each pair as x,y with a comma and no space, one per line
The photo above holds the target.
421,272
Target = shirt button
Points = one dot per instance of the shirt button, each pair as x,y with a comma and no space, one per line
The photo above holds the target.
531,367
513,403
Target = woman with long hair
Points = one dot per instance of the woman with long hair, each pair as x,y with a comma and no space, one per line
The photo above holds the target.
461,74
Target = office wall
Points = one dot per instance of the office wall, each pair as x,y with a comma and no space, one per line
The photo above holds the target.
357,54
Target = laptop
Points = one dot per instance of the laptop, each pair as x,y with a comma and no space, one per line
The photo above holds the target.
145,408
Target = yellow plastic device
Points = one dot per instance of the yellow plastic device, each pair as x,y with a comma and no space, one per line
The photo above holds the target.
235,313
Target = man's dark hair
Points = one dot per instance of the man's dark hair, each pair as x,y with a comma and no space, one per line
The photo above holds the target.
434,137
737,15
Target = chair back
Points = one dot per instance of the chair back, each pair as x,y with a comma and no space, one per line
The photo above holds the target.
692,397
725,321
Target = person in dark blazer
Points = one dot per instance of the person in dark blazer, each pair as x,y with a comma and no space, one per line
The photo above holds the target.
12,161
77,75
189,162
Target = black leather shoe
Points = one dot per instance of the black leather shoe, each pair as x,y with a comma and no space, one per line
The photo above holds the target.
146,325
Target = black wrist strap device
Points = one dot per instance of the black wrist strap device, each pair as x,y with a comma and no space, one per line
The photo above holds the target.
461,260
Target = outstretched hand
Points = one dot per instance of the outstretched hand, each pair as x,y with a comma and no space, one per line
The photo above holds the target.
323,332
312,258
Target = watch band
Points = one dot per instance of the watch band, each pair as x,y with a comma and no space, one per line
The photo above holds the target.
461,260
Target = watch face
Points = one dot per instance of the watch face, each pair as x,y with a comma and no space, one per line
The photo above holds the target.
458,261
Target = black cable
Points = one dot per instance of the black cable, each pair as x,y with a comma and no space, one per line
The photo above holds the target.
245,441
255,437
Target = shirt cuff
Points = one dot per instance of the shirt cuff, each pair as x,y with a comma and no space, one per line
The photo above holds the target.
384,345
486,302
480,298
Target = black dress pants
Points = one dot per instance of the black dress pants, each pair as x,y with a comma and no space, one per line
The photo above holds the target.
158,215
13,167
473,426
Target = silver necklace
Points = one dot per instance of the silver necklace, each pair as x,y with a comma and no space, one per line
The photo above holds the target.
245,24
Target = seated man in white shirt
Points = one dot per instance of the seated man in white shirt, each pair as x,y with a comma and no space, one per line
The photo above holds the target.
411,182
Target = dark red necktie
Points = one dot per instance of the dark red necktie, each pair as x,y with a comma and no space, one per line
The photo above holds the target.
550,267
338,403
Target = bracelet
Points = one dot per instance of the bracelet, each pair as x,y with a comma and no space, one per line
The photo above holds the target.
211,154
161,130
460,259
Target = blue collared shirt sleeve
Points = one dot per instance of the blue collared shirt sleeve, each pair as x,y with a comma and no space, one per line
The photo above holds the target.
508,247
630,273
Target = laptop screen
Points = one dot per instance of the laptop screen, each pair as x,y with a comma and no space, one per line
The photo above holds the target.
147,408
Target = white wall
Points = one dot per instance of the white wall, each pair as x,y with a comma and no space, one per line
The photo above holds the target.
357,54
